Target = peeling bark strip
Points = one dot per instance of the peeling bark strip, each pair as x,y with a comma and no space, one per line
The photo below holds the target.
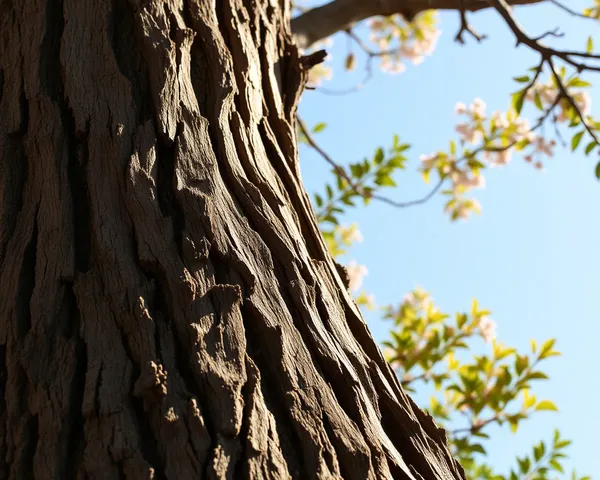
168,308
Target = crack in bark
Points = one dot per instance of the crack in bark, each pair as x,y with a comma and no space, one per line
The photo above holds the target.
15,171
165,186
1,84
52,81
78,185
74,437
30,440
26,285
129,57
3,415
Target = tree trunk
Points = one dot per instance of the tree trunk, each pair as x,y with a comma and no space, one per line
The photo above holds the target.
168,308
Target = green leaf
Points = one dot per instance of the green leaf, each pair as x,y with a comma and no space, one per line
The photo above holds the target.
546,405
523,79
378,156
578,82
452,148
476,447
590,45
590,146
562,444
385,181
517,100
318,200
329,191
598,170
556,466
547,346
319,127
356,170
397,161
521,363
538,451
524,464
576,140
538,100
537,376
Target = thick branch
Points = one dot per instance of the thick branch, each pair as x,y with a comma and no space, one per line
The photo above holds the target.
338,15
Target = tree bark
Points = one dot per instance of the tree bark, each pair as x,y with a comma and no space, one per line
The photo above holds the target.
168,308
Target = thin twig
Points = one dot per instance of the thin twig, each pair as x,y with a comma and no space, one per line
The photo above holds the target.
550,33
563,91
368,68
466,27
570,10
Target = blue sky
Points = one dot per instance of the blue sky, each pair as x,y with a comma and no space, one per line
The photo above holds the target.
531,257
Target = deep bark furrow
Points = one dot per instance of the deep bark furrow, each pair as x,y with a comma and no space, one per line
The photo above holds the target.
127,51
26,286
1,84
3,413
13,175
70,462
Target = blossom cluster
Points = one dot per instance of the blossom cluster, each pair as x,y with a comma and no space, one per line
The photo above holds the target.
399,40
546,94
495,138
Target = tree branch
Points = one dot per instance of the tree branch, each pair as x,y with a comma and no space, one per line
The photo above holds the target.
321,22
503,8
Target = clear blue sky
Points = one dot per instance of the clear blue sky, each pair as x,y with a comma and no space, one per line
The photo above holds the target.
531,257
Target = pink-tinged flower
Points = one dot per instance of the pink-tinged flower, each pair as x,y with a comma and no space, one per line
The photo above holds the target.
463,179
488,329
469,133
460,108
464,207
408,299
375,23
356,273
499,159
411,53
393,66
350,234
477,108
583,101
428,161
528,158
539,165
541,145
319,73
500,120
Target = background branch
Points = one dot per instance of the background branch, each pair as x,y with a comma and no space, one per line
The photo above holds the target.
321,22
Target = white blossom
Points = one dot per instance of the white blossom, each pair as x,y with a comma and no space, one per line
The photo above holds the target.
356,273
488,329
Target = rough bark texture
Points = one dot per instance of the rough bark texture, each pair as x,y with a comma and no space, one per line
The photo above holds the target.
168,308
